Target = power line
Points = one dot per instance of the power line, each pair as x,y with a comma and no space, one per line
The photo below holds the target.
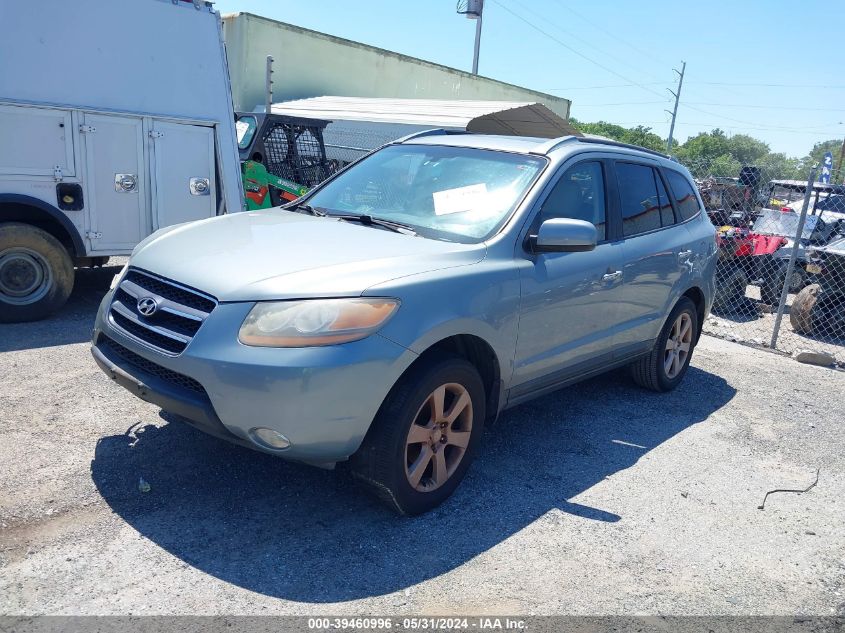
574,36
606,32
621,103
764,107
569,48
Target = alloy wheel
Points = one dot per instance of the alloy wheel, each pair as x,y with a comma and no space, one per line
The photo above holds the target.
678,346
438,438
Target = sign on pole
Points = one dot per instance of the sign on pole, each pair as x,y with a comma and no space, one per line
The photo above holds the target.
827,168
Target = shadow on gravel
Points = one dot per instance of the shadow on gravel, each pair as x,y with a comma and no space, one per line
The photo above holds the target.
72,323
300,533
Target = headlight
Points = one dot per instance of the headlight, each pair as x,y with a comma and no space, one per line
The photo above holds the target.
116,279
314,321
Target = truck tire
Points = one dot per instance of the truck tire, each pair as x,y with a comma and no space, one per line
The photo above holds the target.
36,273
730,288
772,285
803,309
424,436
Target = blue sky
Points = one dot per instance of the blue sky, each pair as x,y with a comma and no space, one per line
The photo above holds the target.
751,67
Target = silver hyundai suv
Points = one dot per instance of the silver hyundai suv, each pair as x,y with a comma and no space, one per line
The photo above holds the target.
393,311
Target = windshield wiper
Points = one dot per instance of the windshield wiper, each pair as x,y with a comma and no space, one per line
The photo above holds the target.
368,220
307,208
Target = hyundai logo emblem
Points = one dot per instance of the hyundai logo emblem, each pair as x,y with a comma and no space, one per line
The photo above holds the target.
147,306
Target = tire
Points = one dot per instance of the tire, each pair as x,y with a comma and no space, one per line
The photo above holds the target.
771,288
730,288
36,273
650,371
388,458
803,309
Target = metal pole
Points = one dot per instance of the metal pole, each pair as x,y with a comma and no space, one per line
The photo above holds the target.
793,256
675,110
477,42
268,84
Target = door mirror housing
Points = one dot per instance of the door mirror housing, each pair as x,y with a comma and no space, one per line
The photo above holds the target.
564,235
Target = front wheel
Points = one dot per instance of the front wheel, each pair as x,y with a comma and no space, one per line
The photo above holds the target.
424,436
667,363
36,273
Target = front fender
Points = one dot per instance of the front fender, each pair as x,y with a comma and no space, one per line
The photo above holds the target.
479,299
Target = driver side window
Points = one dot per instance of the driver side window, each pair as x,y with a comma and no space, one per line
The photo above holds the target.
578,195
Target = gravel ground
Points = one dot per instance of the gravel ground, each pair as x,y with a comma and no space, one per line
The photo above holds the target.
599,499
747,323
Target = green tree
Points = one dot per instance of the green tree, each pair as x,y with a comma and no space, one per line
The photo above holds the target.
639,135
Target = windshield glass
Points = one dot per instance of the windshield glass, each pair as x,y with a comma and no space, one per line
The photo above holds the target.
772,222
458,193
245,128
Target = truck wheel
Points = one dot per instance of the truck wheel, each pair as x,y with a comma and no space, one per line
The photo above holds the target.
667,363
772,285
424,437
36,273
803,308
730,288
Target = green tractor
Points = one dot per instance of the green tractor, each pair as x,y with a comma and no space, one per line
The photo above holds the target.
282,157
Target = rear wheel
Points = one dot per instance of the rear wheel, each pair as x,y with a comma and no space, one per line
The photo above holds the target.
730,288
773,285
424,436
667,363
36,273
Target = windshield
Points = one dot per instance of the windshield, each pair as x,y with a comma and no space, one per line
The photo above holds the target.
245,128
457,193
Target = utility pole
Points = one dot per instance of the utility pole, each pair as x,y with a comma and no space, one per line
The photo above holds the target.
473,10
674,112
477,41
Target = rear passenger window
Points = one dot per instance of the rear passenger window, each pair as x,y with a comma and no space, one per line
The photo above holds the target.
684,195
578,195
638,195
667,216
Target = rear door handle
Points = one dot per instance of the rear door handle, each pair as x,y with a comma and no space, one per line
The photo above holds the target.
612,276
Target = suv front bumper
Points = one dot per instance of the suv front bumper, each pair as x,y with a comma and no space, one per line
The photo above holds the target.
322,399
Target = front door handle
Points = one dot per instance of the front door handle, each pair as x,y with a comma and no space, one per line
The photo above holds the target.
612,276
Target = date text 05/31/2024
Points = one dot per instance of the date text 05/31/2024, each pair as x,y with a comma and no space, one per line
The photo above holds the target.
416,624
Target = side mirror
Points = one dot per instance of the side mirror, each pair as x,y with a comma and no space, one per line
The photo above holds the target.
562,235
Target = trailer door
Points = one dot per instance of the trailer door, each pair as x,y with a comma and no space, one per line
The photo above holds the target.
117,181
184,184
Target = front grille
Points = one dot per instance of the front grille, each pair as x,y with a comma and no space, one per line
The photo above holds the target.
149,367
178,312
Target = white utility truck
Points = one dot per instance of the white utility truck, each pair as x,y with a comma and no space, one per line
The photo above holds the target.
115,120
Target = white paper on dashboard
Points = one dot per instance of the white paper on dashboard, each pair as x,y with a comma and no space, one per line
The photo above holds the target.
460,199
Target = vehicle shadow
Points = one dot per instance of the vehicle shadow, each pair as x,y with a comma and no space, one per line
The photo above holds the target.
72,323
299,533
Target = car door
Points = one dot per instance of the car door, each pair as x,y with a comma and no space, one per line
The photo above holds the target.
657,250
569,300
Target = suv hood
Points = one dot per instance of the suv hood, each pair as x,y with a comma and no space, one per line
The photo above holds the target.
278,254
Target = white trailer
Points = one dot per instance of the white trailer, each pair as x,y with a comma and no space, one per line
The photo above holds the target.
115,120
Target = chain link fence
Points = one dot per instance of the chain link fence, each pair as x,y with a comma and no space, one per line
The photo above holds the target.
780,280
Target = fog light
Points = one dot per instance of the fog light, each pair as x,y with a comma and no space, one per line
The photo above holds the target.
268,438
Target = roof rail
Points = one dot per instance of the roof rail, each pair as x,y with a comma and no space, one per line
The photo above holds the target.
435,132
554,143
608,141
